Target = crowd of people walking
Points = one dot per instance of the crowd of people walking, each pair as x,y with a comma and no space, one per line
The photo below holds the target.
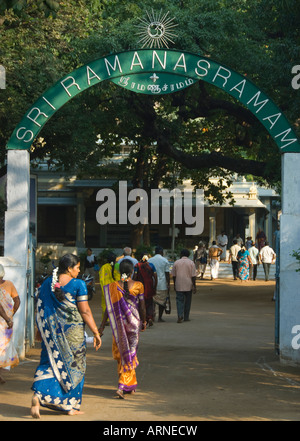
244,257
133,293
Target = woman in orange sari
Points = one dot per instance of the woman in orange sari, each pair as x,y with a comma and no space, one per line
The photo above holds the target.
125,308
9,304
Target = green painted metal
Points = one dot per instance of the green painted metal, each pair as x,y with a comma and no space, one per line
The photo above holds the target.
158,71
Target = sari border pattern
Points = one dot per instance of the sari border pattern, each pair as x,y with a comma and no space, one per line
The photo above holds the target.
53,354
56,403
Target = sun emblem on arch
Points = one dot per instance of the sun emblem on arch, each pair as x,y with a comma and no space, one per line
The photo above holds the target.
156,30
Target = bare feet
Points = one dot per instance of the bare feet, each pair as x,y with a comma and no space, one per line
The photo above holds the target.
75,412
35,407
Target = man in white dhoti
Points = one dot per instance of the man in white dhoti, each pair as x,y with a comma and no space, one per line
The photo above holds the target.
214,253
162,267
222,240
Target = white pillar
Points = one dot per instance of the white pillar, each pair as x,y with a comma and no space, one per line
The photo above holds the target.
252,224
16,235
212,226
289,320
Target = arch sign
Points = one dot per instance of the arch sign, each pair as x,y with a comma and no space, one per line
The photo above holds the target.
155,72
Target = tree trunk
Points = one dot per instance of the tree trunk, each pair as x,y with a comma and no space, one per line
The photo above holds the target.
137,236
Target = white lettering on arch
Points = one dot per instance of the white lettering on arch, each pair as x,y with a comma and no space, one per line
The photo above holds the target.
38,113
183,65
272,119
256,103
155,56
113,67
49,104
23,137
73,83
224,73
205,69
90,77
138,63
239,87
283,139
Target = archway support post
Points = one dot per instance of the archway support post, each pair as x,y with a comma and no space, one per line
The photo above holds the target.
289,321
16,236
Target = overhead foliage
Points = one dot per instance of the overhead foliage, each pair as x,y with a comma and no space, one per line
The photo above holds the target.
199,132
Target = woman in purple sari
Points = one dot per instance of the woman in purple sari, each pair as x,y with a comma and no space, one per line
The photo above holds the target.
125,308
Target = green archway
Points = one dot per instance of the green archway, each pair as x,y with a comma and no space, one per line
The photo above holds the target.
160,72
155,72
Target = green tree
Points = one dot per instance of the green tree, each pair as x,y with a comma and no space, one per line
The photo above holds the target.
202,130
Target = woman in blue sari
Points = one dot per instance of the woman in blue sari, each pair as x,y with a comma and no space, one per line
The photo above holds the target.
62,312
243,257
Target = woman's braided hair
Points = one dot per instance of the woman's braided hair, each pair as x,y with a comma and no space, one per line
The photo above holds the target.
67,261
111,258
126,269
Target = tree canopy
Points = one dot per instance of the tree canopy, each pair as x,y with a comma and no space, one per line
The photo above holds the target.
198,132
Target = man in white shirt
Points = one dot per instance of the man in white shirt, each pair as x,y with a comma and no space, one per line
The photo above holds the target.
238,239
267,256
163,281
254,257
222,241
233,258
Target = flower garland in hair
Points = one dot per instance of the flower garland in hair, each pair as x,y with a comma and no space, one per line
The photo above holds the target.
145,258
55,284
124,277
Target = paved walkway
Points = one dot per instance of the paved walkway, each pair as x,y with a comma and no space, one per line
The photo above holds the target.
219,366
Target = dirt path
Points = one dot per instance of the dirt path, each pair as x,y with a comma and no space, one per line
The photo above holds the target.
219,366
